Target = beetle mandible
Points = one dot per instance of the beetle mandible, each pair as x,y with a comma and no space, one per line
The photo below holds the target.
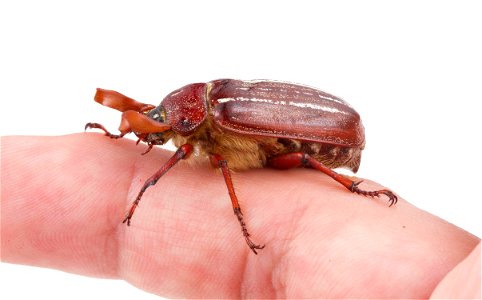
247,124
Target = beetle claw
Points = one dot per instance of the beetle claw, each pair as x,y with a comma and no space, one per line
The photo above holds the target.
393,199
148,149
253,246
129,214
128,220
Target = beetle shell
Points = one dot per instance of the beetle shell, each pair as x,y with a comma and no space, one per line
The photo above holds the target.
279,109
249,122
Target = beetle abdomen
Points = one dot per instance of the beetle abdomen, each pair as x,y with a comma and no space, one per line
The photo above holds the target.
332,156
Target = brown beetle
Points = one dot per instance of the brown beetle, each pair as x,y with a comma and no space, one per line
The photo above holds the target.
248,124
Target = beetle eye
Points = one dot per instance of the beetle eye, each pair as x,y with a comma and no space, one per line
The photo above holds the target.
157,114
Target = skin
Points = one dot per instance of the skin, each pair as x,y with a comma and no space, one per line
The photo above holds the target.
62,208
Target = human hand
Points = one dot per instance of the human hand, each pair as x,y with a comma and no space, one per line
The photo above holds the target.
64,198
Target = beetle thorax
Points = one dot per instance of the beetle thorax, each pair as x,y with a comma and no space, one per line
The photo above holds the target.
242,152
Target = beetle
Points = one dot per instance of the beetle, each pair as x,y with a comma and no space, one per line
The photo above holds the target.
242,125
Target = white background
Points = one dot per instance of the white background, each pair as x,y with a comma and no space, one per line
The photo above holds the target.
412,69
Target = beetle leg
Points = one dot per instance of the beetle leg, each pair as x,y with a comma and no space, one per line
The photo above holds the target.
300,159
101,127
181,153
223,165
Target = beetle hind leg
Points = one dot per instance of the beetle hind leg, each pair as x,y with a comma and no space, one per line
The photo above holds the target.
300,159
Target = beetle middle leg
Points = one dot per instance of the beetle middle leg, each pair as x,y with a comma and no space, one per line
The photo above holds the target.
300,159
221,163
181,153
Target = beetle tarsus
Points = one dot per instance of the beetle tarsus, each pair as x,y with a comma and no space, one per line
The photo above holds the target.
392,198
101,127
251,244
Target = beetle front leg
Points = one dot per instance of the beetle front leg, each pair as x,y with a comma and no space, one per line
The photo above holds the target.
101,127
133,121
221,163
181,153
300,159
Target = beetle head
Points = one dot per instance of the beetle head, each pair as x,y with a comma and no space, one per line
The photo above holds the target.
157,138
